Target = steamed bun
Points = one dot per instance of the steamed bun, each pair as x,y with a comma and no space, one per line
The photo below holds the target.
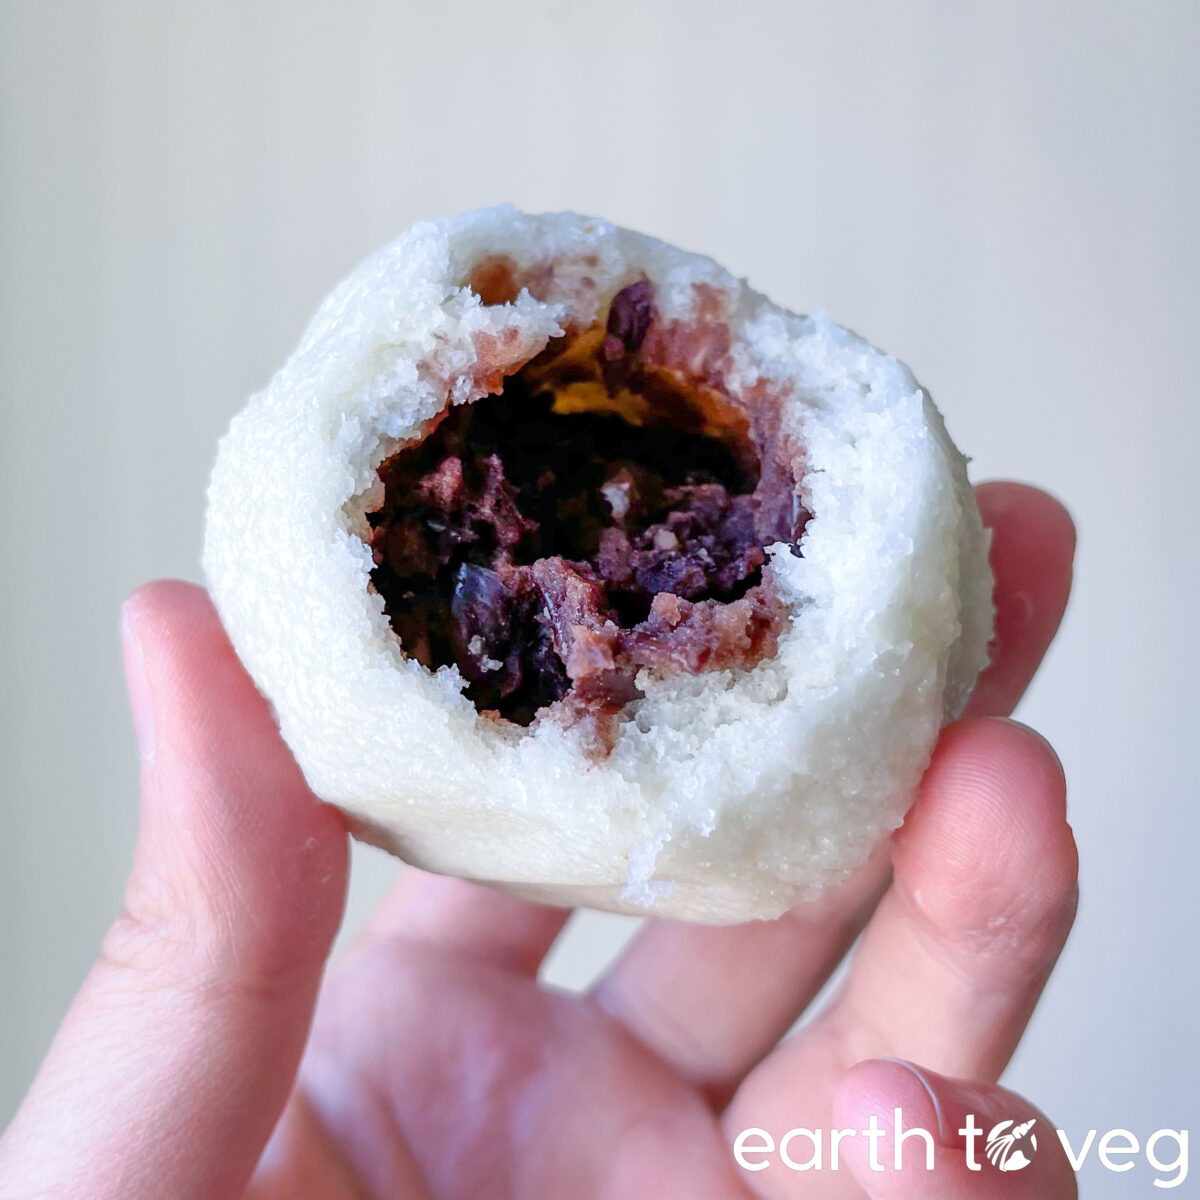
714,787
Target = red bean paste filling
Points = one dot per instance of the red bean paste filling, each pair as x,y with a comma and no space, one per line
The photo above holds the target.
582,524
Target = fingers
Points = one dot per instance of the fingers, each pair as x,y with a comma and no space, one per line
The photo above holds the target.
955,1158
981,902
713,1001
468,919
1033,544
954,958
179,1051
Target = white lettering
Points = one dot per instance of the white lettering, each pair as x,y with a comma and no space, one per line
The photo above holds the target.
1180,1164
902,1135
1117,1150
1077,1160
971,1133
1108,1148
835,1140
740,1149
873,1133
814,1159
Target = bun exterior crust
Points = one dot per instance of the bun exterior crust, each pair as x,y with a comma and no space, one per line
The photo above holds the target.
728,795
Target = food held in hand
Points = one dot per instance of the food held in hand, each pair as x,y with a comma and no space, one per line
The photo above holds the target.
574,566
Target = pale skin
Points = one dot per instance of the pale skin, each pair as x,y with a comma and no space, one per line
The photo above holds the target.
208,1055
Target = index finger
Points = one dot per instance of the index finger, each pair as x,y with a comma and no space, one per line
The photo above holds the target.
1033,544
180,1050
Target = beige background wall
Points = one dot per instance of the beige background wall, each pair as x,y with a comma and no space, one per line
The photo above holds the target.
1003,193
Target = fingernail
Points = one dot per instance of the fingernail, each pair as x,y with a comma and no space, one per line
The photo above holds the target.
943,1131
137,683
953,1101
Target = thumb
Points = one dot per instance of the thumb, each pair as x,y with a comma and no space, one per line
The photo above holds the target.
179,1052
954,1155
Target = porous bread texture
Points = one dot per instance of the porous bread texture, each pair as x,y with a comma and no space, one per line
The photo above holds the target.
728,795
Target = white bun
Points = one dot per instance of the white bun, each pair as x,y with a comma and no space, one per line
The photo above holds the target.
727,795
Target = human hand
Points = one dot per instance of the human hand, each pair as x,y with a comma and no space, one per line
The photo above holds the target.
436,1067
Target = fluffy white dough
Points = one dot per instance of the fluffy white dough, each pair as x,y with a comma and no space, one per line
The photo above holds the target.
728,794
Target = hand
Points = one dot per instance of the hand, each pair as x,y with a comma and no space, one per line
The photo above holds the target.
437,1067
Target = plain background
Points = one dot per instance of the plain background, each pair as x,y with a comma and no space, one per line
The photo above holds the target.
1004,194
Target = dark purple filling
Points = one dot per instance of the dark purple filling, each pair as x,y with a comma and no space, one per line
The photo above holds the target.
549,553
